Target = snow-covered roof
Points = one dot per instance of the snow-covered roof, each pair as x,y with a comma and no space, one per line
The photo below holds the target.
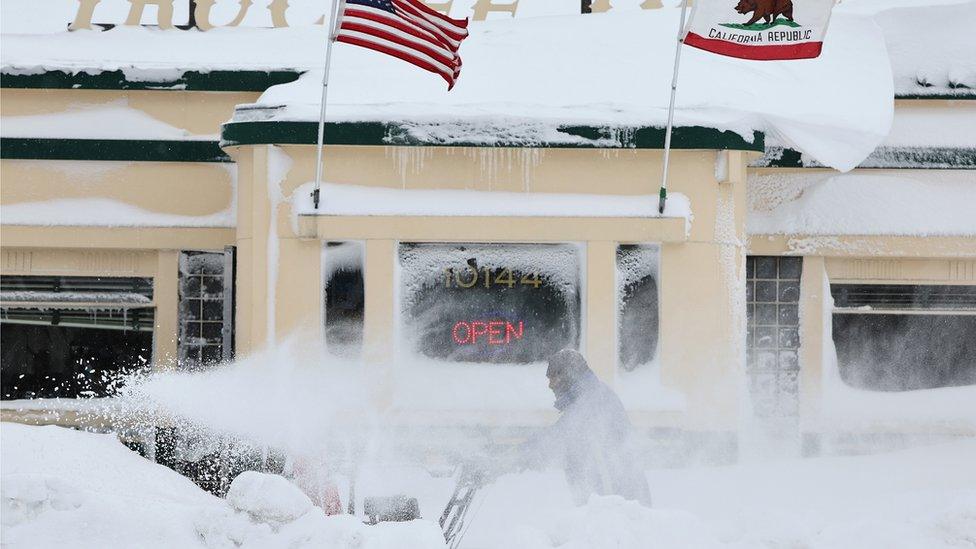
923,135
930,44
524,77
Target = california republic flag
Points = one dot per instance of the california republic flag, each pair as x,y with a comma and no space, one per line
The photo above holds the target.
760,29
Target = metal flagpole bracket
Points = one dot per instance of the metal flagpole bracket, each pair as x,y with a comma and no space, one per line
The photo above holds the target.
338,7
663,195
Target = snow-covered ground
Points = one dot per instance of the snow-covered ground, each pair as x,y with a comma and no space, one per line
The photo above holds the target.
65,488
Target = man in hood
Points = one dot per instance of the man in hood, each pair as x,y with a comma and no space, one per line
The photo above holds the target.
592,439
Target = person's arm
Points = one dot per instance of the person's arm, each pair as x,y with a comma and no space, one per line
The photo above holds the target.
544,447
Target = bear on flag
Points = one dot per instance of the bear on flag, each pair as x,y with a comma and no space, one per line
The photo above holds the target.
765,30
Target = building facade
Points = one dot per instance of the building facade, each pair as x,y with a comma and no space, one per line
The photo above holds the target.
168,223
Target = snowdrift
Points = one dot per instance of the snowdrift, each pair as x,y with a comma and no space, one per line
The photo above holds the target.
64,488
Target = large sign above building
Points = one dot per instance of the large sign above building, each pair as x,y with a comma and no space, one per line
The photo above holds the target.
202,15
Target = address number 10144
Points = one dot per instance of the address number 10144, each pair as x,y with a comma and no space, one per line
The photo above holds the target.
470,277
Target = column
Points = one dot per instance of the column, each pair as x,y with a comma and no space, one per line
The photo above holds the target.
601,308
166,296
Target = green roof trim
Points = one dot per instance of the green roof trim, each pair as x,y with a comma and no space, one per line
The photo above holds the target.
927,158
32,148
217,80
939,96
398,134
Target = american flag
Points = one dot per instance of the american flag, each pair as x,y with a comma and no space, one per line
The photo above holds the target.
406,29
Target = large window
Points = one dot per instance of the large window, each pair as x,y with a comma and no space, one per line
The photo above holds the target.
893,337
72,336
345,297
637,295
494,303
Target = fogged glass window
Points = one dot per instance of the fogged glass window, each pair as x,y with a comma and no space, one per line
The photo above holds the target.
637,295
905,337
497,303
344,297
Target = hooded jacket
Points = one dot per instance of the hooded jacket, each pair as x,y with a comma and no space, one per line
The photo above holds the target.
593,438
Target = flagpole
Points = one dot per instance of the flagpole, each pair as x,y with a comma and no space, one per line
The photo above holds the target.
338,6
674,90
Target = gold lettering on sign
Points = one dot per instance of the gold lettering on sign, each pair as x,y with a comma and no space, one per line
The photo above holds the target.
83,19
164,14
278,9
483,7
443,7
201,14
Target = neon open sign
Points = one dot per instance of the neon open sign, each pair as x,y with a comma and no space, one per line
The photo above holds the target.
494,332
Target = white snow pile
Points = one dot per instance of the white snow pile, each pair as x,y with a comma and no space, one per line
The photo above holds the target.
65,488
266,498
103,212
921,126
362,200
615,522
929,204
111,120
523,79
929,42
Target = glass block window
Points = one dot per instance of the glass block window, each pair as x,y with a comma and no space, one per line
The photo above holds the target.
637,305
206,308
773,311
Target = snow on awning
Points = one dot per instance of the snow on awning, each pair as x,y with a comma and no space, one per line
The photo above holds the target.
112,120
356,200
104,212
822,204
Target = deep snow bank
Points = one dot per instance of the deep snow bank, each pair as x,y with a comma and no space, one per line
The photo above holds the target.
65,488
